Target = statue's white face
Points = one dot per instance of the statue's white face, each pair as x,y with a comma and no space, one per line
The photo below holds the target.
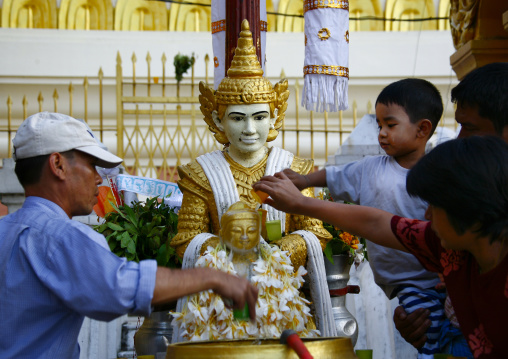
247,126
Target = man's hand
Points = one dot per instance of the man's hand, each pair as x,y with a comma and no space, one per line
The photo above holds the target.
300,181
412,327
171,284
239,290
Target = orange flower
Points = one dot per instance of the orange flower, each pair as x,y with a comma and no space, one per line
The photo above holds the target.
349,239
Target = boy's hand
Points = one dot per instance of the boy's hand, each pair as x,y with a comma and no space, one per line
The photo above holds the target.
300,181
284,196
412,327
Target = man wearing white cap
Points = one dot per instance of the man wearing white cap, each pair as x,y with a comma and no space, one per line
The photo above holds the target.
55,271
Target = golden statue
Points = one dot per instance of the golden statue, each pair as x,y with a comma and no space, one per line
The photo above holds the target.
244,114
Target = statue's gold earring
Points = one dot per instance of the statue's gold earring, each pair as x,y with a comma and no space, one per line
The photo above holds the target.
272,127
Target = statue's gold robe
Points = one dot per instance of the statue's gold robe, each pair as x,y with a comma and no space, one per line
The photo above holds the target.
198,213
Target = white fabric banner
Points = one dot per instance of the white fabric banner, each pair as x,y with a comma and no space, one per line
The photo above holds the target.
326,66
218,40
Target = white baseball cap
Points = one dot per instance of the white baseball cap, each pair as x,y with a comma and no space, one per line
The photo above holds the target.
48,132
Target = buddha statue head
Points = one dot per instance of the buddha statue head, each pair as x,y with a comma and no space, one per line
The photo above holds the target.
246,111
240,227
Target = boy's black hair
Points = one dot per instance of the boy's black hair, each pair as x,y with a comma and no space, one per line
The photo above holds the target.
486,89
29,170
468,179
419,98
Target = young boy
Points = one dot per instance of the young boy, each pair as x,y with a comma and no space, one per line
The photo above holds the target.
407,113
465,183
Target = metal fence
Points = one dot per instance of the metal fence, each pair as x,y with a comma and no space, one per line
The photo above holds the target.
155,124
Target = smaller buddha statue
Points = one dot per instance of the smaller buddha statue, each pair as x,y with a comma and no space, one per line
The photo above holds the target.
240,233
204,316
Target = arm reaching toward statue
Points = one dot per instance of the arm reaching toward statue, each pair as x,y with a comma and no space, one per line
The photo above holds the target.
364,221
171,284
412,327
314,179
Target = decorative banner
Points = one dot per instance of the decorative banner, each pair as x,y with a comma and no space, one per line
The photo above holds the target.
219,28
219,40
147,186
326,67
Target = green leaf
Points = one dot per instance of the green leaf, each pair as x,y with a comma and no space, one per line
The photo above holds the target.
162,256
112,246
131,247
125,239
101,228
131,228
328,251
115,226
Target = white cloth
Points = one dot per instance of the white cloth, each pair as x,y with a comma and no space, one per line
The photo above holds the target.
318,285
380,182
326,65
218,42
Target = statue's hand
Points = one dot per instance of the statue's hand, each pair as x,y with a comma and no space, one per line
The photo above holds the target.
412,327
210,242
300,181
296,247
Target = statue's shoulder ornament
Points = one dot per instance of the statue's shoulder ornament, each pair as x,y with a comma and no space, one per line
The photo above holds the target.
193,178
302,165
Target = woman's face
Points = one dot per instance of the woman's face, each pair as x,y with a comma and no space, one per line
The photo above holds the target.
247,126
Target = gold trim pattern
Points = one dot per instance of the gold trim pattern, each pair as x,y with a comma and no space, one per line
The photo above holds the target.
215,61
325,4
332,70
218,26
263,25
346,36
323,34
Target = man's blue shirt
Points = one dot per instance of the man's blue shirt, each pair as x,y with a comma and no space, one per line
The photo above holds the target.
55,271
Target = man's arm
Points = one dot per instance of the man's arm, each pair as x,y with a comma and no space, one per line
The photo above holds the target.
171,284
366,222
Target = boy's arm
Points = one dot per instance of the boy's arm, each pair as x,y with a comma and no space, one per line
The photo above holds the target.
367,222
314,179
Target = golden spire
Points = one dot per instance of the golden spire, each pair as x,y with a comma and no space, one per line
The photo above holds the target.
245,62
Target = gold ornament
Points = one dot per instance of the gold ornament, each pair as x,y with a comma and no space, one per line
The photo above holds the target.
244,85
323,34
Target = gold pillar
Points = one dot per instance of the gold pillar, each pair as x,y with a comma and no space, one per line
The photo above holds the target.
479,34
